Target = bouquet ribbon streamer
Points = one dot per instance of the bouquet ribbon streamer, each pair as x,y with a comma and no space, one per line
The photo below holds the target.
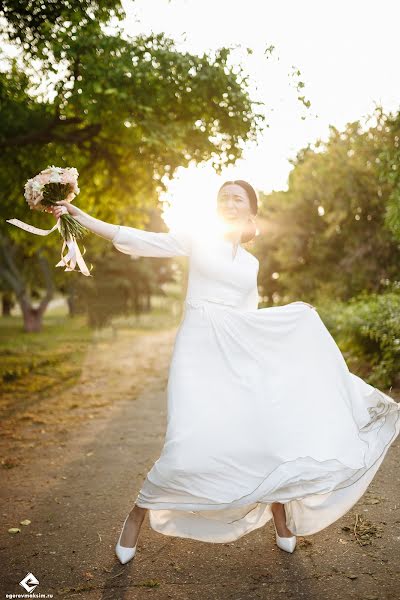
70,260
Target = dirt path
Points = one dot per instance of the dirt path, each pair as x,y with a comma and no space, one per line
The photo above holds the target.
76,462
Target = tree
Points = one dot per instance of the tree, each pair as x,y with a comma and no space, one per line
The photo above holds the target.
126,112
389,171
327,235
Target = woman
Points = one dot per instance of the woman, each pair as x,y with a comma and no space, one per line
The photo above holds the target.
264,418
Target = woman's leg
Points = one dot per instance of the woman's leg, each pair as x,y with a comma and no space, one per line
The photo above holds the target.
132,526
278,510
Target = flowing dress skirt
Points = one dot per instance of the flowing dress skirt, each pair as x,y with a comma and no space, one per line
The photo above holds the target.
262,408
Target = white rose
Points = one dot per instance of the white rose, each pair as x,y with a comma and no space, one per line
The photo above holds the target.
55,176
36,186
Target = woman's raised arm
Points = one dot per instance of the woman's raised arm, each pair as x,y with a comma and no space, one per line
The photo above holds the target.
130,240
105,230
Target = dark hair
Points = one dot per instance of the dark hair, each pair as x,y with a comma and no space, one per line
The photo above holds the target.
247,188
250,232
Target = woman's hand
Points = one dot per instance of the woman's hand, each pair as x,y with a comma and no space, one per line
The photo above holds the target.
64,207
101,228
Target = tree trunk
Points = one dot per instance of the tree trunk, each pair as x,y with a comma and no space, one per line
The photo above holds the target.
71,305
9,270
148,302
33,319
7,303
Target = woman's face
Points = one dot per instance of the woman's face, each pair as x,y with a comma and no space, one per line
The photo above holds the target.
233,205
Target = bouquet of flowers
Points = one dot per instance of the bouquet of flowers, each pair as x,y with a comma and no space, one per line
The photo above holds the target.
41,193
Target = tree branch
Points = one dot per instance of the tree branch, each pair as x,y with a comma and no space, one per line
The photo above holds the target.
51,133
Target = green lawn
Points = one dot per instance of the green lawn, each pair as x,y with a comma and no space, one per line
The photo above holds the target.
34,362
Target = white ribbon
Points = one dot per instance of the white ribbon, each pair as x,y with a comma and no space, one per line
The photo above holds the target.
73,255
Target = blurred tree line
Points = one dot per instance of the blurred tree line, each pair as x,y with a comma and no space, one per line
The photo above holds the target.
75,90
336,230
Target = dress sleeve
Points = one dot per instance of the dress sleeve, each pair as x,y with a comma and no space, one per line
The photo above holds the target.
138,242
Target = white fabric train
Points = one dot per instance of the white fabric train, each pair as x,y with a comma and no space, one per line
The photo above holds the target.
262,407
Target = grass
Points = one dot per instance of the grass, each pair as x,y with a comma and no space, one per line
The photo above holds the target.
35,363
31,363
157,319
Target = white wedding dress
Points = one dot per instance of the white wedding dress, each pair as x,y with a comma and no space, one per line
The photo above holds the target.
262,407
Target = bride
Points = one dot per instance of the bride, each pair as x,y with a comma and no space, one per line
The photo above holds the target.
265,420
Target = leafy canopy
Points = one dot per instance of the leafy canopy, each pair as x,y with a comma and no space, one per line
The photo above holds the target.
125,111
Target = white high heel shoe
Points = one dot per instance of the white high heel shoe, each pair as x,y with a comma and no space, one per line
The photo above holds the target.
285,543
124,554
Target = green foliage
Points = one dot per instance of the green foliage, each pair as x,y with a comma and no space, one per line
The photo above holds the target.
126,112
327,235
367,330
37,26
389,171
33,363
